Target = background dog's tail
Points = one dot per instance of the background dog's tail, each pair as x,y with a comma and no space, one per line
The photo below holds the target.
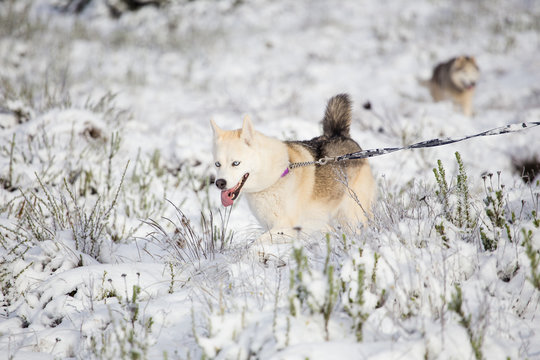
337,118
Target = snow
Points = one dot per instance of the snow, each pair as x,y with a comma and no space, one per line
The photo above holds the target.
106,216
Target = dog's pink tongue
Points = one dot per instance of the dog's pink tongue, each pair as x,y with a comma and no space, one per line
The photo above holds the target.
226,198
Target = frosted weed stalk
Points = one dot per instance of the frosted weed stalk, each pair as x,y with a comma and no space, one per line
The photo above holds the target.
7,182
13,246
459,211
129,331
476,338
533,254
45,216
191,244
495,209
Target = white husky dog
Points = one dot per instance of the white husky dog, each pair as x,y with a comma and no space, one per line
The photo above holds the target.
286,199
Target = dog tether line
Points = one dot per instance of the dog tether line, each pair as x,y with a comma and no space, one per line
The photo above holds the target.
363,154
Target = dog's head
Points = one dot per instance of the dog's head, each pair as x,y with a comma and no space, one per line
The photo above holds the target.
465,72
235,160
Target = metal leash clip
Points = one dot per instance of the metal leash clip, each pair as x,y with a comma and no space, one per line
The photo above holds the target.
325,160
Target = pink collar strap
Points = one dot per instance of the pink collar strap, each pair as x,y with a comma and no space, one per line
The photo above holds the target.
285,172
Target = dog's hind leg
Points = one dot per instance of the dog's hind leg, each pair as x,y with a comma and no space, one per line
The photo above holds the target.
466,103
355,207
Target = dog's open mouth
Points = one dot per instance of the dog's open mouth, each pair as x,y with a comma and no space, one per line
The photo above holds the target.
228,196
469,85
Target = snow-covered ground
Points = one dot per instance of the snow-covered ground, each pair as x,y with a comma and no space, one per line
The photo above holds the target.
113,244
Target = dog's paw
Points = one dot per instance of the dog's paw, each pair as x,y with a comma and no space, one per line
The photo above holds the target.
266,256
271,260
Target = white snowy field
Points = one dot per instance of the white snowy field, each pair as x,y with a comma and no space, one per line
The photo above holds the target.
114,244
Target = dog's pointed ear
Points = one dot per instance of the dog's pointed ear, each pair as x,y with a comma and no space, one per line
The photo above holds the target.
247,133
217,130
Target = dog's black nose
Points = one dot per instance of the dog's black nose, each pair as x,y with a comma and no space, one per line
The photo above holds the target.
221,183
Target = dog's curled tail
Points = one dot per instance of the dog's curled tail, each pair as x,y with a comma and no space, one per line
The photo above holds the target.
337,117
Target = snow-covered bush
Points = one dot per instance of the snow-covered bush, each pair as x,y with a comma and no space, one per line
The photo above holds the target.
128,333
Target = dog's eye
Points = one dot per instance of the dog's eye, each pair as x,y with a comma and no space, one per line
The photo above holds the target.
218,164
235,163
